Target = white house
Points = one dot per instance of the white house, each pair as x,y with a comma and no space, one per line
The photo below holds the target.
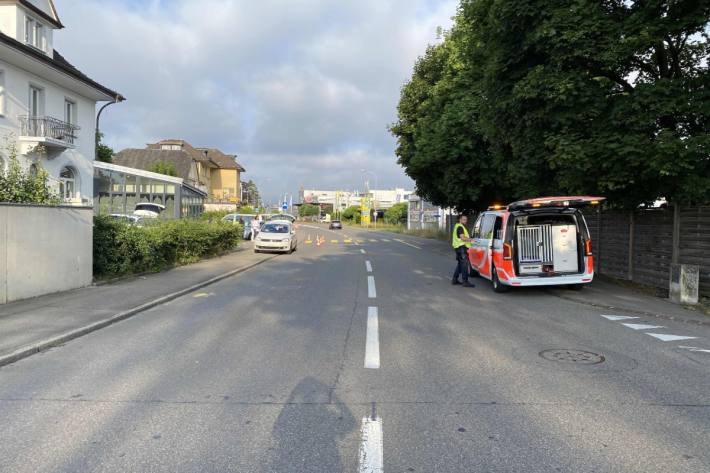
47,106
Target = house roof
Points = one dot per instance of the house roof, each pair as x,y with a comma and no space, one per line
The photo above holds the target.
60,63
146,158
53,20
223,161
196,154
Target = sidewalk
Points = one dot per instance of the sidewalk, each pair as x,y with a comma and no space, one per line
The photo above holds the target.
35,324
612,297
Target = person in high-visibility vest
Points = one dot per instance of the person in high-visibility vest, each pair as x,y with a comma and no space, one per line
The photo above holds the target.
461,243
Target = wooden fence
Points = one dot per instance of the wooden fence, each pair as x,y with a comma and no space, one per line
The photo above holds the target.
640,246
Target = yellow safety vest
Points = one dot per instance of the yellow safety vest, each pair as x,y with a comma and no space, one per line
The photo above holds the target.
456,241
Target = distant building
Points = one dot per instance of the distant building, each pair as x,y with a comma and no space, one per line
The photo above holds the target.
381,199
47,106
215,173
423,215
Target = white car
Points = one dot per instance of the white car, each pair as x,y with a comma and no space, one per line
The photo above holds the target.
148,210
277,236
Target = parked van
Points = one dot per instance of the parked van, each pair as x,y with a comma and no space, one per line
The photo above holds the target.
535,242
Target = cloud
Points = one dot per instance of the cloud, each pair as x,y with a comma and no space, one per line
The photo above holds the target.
301,90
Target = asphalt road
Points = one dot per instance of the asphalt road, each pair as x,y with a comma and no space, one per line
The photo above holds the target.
265,372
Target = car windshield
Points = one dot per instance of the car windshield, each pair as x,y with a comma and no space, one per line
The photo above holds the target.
149,207
275,228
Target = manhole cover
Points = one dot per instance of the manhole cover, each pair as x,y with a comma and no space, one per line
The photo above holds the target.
579,357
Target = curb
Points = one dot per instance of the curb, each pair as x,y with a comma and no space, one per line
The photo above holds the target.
30,350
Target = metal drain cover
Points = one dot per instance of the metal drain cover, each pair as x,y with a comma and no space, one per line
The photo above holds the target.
579,357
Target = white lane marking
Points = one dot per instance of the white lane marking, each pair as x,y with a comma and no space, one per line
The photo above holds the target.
695,349
618,317
372,340
384,239
362,251
368,266
203,294
371,291
371,456
669,338
642,326
408,244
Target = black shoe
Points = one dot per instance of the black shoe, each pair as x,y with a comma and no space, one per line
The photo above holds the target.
468,284
455,282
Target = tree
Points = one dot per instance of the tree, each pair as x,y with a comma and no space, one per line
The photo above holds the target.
162,167
251,193
104,152
397,214
534,97
309,210
351,214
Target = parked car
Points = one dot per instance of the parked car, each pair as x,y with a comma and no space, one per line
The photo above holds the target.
535,242
288,217
130,219
246,218
335,225
148,210
278,236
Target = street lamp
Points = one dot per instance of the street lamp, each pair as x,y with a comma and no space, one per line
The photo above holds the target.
367,189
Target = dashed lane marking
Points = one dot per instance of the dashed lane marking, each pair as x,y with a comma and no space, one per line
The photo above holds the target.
368,266
664,337
372,340
408,244
371,290
362,251
372,240
371,451
695,349
334,241
642,326
618,317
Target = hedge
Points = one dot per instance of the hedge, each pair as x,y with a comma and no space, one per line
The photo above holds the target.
121,248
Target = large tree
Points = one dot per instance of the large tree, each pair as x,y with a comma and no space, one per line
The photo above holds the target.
531,97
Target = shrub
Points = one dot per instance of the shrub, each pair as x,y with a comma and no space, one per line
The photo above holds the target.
25,187
214,215
121,248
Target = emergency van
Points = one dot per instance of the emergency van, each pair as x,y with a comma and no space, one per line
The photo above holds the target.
535,242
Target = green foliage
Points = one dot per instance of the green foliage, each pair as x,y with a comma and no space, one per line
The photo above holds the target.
397,214
535,97
214,215
351,214
309,210
251,193
164,168
104,152
20,186
247,209
120,248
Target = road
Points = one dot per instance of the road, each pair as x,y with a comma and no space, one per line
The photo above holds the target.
357,357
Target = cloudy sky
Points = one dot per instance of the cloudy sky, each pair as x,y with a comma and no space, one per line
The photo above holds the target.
301,90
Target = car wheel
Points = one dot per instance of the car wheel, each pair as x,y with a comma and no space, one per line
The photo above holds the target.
497,286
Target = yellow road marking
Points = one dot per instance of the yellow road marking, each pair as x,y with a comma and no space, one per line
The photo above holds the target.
334,241
347,241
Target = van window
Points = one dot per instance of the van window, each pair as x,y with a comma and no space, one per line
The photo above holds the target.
487,226
498,228
476,232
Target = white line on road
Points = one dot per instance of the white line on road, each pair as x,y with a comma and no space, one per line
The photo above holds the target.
408,244
372,340
642,326
371,291
618,317
695,349
362,251
384,239
371,457
368,266
669,338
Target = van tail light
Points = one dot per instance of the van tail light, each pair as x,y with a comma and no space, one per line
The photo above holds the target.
587,247
507,251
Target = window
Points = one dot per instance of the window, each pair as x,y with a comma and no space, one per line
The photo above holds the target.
69,111
487,226
36,102
33,169
476,232
2,165
34,33
171,147
2,92
67,183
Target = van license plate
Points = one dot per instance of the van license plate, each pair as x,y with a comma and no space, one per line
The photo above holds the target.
530,268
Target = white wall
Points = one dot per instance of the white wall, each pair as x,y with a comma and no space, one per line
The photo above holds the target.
44,250
17,82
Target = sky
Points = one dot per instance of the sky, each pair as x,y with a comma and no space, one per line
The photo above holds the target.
301,91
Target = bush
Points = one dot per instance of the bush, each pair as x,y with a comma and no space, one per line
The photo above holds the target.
121,248
397,214
20,186
214,215
351,214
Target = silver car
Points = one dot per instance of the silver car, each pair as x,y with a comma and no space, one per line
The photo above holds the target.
277,236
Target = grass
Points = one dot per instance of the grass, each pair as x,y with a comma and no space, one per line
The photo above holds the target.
402,229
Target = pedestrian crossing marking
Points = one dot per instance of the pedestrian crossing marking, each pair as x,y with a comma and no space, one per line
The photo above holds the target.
347,241
334,241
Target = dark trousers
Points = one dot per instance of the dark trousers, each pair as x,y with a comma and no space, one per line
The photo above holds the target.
462,265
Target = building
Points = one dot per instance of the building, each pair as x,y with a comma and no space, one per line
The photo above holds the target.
47,106
117,190
381,199
423,215
208,169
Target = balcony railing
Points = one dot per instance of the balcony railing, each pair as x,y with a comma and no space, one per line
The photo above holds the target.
48,127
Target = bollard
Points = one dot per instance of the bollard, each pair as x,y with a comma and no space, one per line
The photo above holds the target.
684,284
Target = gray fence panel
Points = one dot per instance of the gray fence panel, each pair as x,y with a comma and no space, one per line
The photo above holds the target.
694,245
652,247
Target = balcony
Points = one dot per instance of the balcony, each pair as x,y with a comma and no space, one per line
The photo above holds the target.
47,131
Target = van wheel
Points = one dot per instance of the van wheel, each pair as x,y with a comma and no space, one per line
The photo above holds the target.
497,286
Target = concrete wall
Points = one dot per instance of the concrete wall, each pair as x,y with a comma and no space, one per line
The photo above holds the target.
44,250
